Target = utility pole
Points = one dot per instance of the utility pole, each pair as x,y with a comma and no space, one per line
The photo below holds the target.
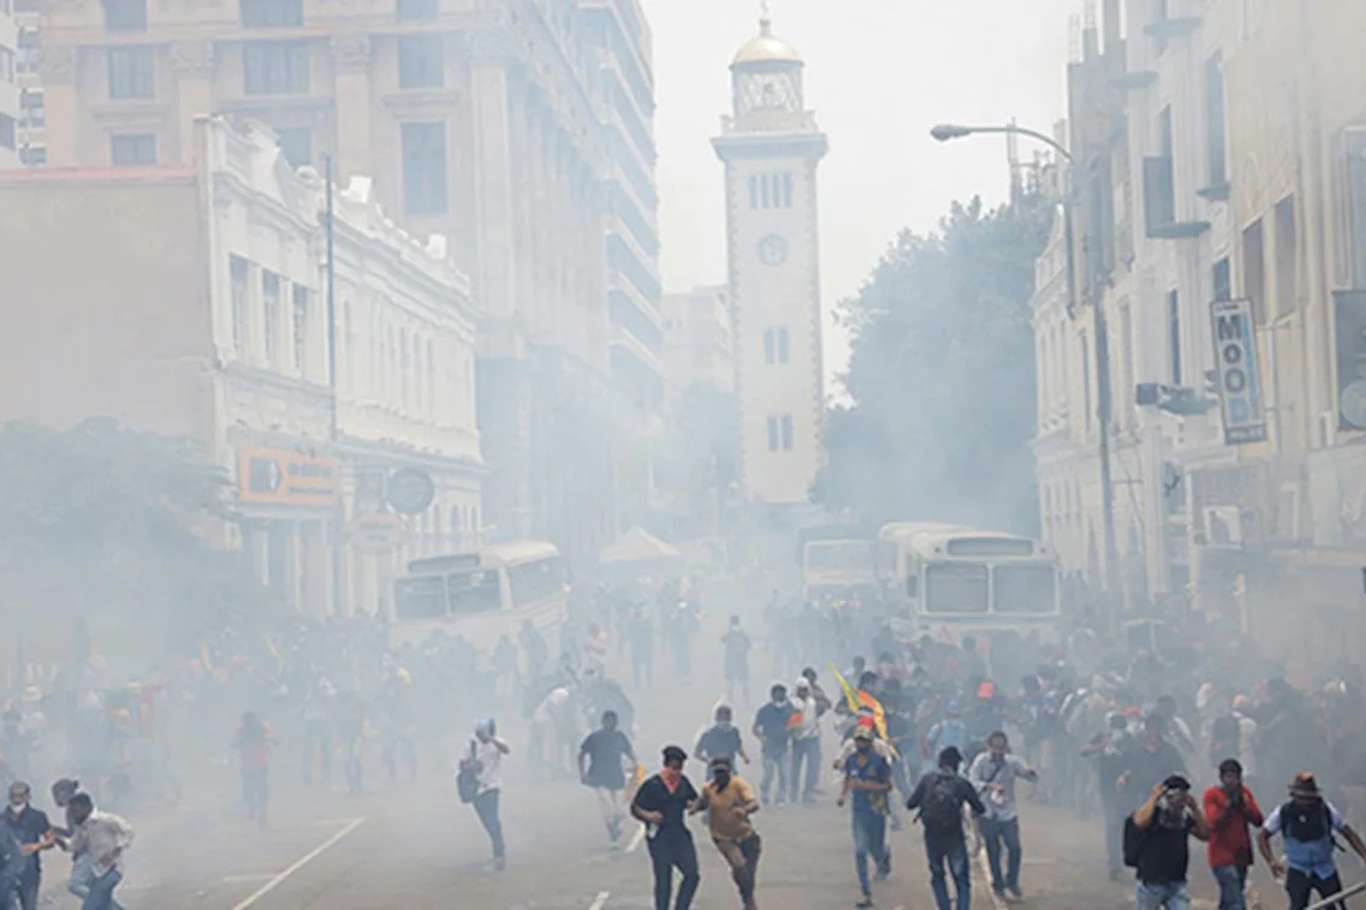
339,513
945,132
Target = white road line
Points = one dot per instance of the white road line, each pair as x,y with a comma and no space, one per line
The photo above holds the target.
247,877
997,901
299,864
600,901
636,838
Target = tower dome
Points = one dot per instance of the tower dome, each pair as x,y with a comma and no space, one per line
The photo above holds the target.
765,48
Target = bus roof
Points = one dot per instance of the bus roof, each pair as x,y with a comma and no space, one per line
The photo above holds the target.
516,552
970,542
906,530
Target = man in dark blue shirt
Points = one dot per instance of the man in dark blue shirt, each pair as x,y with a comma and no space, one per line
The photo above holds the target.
721,740
771,726
28,826
662,803
940,797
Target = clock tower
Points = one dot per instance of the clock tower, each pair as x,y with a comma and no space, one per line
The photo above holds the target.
771,147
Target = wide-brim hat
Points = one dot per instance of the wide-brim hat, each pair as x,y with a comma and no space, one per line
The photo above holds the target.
1304,784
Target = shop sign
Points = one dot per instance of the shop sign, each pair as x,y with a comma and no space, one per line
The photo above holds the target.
285,478
410,491
1235,361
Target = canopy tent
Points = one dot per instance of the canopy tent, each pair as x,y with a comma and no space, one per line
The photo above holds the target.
638,546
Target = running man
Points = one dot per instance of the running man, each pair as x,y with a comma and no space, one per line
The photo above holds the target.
868,776
661,803
1307,822
993,773
731,803
602,766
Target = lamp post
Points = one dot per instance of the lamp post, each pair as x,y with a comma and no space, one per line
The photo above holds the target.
946,132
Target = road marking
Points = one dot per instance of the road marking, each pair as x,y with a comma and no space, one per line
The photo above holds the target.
247,877
997,901
299,864
600,901
636,838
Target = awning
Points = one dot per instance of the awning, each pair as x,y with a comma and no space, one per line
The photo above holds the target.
638,545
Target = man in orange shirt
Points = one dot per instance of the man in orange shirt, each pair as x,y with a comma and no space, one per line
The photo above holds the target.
731,803
1229,809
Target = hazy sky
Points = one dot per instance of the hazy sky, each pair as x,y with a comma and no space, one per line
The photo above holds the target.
879,73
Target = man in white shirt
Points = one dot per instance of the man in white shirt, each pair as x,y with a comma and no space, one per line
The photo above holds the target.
806,744
485,755
993,773
105,837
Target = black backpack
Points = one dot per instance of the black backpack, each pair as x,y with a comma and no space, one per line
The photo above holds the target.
941,811
1134,836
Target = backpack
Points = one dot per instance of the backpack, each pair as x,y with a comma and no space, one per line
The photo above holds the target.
941,811
467,780
1307,827
1134,836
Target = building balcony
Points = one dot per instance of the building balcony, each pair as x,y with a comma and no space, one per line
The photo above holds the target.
376,423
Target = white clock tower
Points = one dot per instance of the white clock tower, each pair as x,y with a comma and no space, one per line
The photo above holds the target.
771,147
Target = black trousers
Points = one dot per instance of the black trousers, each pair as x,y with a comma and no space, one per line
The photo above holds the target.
1299,886
666,854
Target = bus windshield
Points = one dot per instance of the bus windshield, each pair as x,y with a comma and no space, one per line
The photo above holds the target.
1026,589
474,592
956,588
420,598
533,581
841,556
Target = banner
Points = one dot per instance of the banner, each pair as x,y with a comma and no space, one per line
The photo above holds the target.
1235,362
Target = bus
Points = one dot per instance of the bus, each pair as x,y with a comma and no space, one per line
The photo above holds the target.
944,577
837,569
482,595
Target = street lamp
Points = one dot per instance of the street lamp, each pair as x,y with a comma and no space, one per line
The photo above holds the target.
945,132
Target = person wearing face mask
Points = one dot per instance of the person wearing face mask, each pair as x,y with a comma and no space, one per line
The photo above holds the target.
105,837
772,728
993,773
29,826
721,740
1156,844
731,803
868,776
662,803
1230,808
485,755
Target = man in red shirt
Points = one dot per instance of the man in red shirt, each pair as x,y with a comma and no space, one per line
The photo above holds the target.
1229,809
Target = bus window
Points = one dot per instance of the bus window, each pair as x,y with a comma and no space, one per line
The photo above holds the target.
912,586
956,588
475,592
420,598
533,581
1026,589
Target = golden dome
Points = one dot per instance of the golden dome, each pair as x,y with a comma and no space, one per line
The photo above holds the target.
764,48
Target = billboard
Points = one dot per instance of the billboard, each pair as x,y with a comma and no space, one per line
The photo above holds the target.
285,478
1235,363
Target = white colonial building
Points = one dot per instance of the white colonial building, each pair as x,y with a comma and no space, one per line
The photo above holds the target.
9,85
771,147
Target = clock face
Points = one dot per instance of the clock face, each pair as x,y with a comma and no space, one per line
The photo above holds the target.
773,250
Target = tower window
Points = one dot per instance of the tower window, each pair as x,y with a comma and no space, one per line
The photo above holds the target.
754,192
766,193
774,438
787,191
787,432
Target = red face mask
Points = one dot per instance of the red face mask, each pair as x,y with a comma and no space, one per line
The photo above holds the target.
671,777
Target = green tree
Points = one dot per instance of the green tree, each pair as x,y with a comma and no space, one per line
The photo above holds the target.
940,385
104,528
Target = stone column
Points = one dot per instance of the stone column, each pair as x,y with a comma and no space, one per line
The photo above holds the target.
191,64
59,99
492,53
351,57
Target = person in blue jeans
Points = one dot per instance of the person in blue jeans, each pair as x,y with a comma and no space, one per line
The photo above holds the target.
1157,844
993,773
940,796
1307,822
868,776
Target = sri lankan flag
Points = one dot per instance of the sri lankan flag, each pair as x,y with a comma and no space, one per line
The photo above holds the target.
857,700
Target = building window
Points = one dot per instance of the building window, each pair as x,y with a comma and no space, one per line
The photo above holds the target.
1086,382
421,61
424,168
296,144
1286,263
275,68
774,434
1254,269
132,73
270,300
125,15
1216,135
776,346
29,155
6,132
766,192
1174,334
133,150
1159,176
272,13
769,346
418,9
787,191
1223,280
300,313
754,192
238,272
7,67
787,432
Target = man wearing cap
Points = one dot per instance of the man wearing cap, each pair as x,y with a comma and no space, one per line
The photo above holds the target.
806,743
731,803
1156,838
661,803
868,776
940,797
1307,822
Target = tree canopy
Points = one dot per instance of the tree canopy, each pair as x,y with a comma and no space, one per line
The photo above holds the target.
940,404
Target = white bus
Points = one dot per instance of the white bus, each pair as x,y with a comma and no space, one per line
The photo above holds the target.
482,595
964,580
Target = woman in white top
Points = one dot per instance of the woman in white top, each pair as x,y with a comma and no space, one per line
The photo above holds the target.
485,755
